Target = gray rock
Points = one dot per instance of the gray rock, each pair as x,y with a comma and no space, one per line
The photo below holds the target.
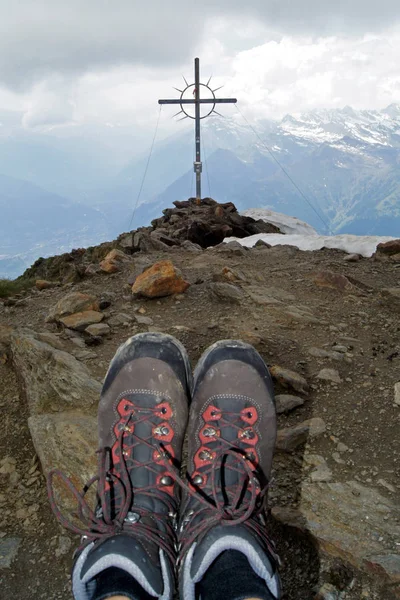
64,546
288,378
329,375
8,551
66,441
290,438
98,329
53,380
226,292
320,353
191,247
234,248
397,393
142,320
329,592
120,319
262,244
351,522
352,258
286,402
322,471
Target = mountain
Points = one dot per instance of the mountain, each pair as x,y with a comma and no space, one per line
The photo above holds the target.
345,162
35,222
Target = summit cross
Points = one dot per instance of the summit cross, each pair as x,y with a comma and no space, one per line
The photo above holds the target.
197,101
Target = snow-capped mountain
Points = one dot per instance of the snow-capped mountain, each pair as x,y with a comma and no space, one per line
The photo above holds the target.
345,162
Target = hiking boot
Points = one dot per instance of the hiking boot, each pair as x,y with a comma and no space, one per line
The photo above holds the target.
142,420
231,440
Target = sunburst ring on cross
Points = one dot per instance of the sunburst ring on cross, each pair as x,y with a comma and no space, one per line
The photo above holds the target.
205,92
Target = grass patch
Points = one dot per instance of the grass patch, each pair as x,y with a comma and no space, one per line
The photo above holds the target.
9,287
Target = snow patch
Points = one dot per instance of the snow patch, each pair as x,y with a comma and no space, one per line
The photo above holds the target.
285,223
352,244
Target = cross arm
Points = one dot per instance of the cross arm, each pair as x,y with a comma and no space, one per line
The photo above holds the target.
205,101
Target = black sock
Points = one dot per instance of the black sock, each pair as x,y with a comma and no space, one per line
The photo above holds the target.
117,582
230,577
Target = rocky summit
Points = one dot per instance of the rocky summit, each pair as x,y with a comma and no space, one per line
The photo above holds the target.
328,328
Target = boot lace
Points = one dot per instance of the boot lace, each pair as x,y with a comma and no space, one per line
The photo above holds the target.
123,515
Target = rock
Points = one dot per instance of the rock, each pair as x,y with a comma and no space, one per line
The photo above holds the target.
351,522
397,393
162,279
290,438
320,353
42,284
141,264
285,403
226,292
269,295
352,258
338,348
233,248
342,447
53,380
388,248
232,275
262,244
142,320
64,546
114,261
66,441
120,319
387,485
98,329
288,378
92,269
73,302
329,375
329,592
322,471
51,339
191,247
81,320
392,297
8,551
145,243
333,281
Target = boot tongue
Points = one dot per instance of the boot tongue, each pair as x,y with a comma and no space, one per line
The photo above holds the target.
130,555
237,537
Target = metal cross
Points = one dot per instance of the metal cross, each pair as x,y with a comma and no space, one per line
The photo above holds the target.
197,100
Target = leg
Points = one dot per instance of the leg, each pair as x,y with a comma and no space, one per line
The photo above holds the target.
225,549
129,545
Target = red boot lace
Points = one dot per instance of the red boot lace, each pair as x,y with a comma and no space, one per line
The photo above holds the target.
239,504
107,521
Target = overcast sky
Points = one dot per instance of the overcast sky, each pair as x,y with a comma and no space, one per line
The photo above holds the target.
72,62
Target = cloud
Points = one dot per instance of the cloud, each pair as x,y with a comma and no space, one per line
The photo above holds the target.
59,37
298,74
50,105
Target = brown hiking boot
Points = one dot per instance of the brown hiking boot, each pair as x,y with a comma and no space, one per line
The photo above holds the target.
142,420
231,440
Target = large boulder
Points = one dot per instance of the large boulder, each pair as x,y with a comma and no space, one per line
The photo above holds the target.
79,321
386,249
73,302
349,521
113,261
162,279
66,441
53,380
